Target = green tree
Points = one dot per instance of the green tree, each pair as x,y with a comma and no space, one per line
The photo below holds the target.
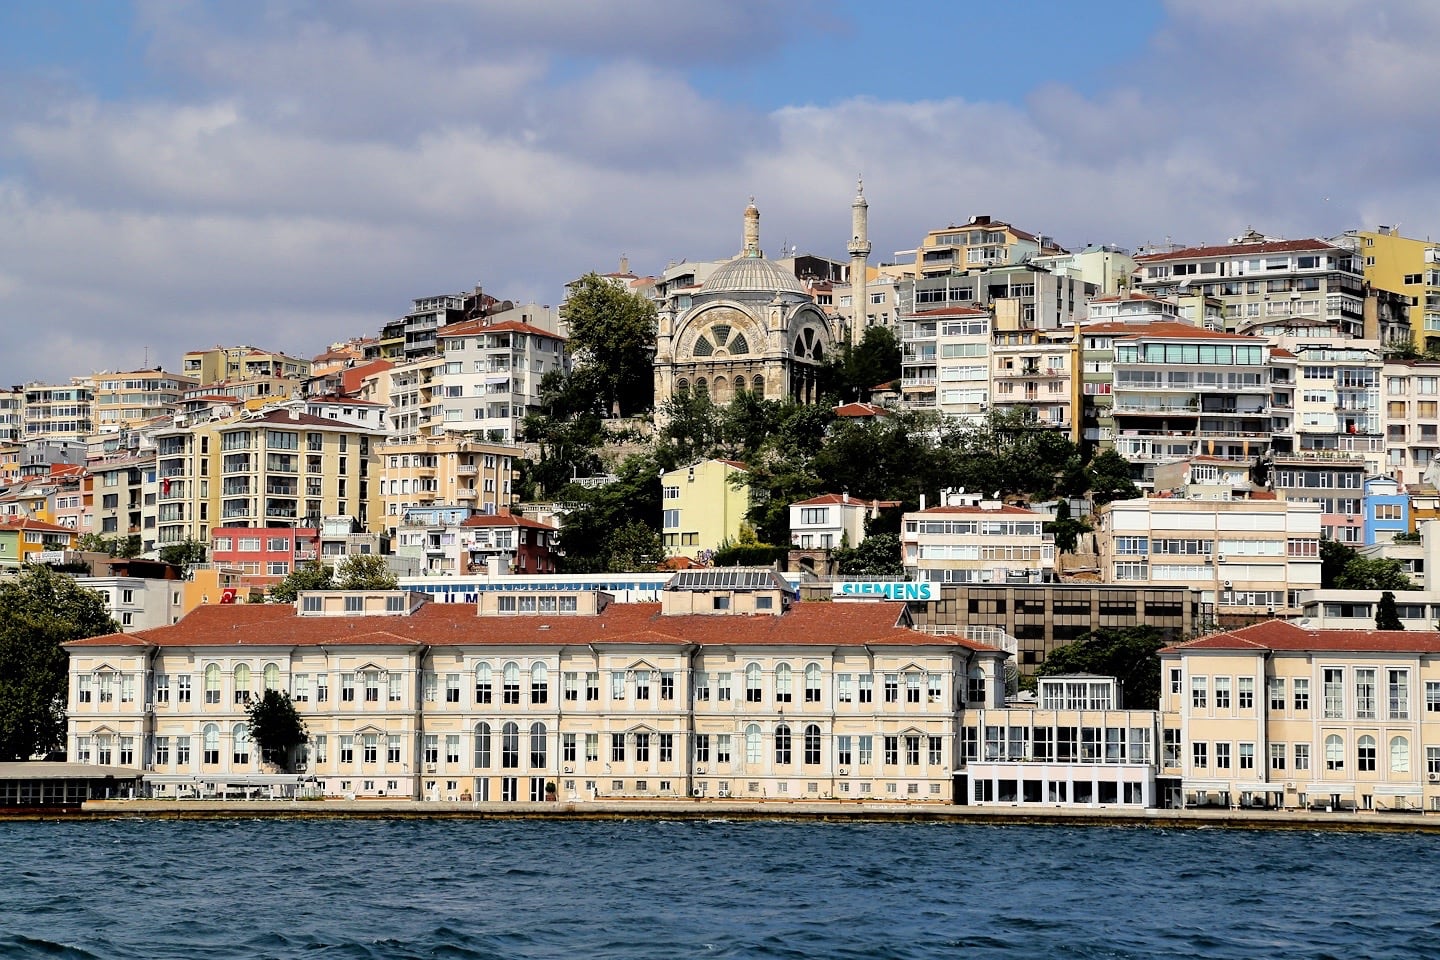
566,428
1109,475
1342,567
634,548
1067,529
184,554
364,571
855,372
39,610
612,331
1130,654
1386,616
1334,558
594,533
693,430
308,576
878,555
276,728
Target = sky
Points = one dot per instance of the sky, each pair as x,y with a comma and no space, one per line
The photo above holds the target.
176,174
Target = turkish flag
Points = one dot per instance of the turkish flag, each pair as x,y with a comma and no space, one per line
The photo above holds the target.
227,595
165,485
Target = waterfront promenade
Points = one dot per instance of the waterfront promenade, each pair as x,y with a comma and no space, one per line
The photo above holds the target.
769,810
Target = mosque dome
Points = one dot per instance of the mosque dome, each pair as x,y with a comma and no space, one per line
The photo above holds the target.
753,275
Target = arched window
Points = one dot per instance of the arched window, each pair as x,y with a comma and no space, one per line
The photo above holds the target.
721,385
272,676
211,736
539,683
482,746
784,683
752,743
1399,755
752,683
812,745
1334,752
240,744
701,387
682,386
510,745
1365,753
782,744
482,683
242,682
512,682
537,746
812,683
757,385
212,683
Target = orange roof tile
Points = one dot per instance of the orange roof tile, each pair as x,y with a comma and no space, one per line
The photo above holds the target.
1238,249
827,499
503,520
446,624
856,409
470,328
1283,635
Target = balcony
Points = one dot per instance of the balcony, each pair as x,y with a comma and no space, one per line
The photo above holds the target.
466,470
465,493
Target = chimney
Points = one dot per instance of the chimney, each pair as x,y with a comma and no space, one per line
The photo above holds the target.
922,502
845,497
624,264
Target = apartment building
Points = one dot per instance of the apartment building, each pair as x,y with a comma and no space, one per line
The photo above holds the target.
23,540
415,335
723,689
263,468
59,411
128,398
1255,276
498,544
423,474
414,391
1034,371
969,540
1407,266
1280,715
945,361
243,372
12,415
1249,558
264,555
1332,480
702,506
832,520
1411,417
125,496
491,375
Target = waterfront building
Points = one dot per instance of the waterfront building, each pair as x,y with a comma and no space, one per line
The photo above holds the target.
971,540
1280,715
1249,558
1073,744
703,508
724,689
749,325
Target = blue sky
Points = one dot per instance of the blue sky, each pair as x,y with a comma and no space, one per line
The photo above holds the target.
179,173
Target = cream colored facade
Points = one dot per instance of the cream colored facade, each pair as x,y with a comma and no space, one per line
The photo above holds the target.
222,364
538,691
445,470
1277,715
1248,557
123,399
702,509
977,541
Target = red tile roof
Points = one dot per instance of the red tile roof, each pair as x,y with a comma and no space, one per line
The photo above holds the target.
1238,249
503,520
470,328
861,410
1283,635
828,499
39,526
1124,298
454,624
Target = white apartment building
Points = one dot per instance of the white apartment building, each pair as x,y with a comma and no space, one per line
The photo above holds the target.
490,376
1411,416
977,541
832,520
945,361
1248,557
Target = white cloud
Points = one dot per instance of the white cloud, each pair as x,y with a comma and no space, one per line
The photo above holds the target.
322,167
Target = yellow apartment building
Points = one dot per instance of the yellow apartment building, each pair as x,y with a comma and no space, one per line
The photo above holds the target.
445,471
703,507
1407,266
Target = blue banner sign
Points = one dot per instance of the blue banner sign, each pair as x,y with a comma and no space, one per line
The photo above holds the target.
882,590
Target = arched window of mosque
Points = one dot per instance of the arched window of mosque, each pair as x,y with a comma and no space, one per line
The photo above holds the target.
807,345
703,347
725,340
682,387
758,385
718,391
701,387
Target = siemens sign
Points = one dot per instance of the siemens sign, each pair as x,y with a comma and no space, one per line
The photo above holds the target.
882,590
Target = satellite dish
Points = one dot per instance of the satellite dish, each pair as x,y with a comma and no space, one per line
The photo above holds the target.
959,489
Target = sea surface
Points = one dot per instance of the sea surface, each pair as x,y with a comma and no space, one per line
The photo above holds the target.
645,889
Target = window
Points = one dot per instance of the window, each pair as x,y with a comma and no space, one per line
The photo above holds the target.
1222,693
667,685
392,749
892,688
782,744
912,688
1277,756
210,736
1277,694
1399,755
1300,687
592,747
812,683
867,688
892,750
1222,756
812,745
642,684
240,744
371,748
431,748
1398,684
702,686
1175,680
482,683
702,748
617,748
537,745
667,748
722,686
347,687
1197,693
752,683
1198,756
1365,754
212,684
1432,696
1247,756
617,685
752,743
539,683
510,746
1302,757
783,683
1364,694
866,749
722,748
845,692
1334,680
570,686
592,686
1334,752
511,677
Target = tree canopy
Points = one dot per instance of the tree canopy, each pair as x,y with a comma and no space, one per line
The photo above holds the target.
878,555
1342,567
1387,616
1129,654
358,572
39,610
276,728
612,332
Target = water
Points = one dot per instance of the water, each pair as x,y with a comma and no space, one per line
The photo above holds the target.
512,889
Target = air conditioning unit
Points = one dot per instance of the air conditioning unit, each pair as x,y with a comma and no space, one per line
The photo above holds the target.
1435,778
1226,584
379,793
569,769
699,769
724,791
1219,558
429,768
698,792
149,706
1289,784
844,771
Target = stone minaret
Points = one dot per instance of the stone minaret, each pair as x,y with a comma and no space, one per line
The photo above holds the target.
859,255
752,231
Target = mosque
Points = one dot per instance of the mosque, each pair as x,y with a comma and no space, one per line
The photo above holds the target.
751,325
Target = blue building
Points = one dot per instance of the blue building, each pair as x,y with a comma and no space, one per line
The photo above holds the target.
1386,509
